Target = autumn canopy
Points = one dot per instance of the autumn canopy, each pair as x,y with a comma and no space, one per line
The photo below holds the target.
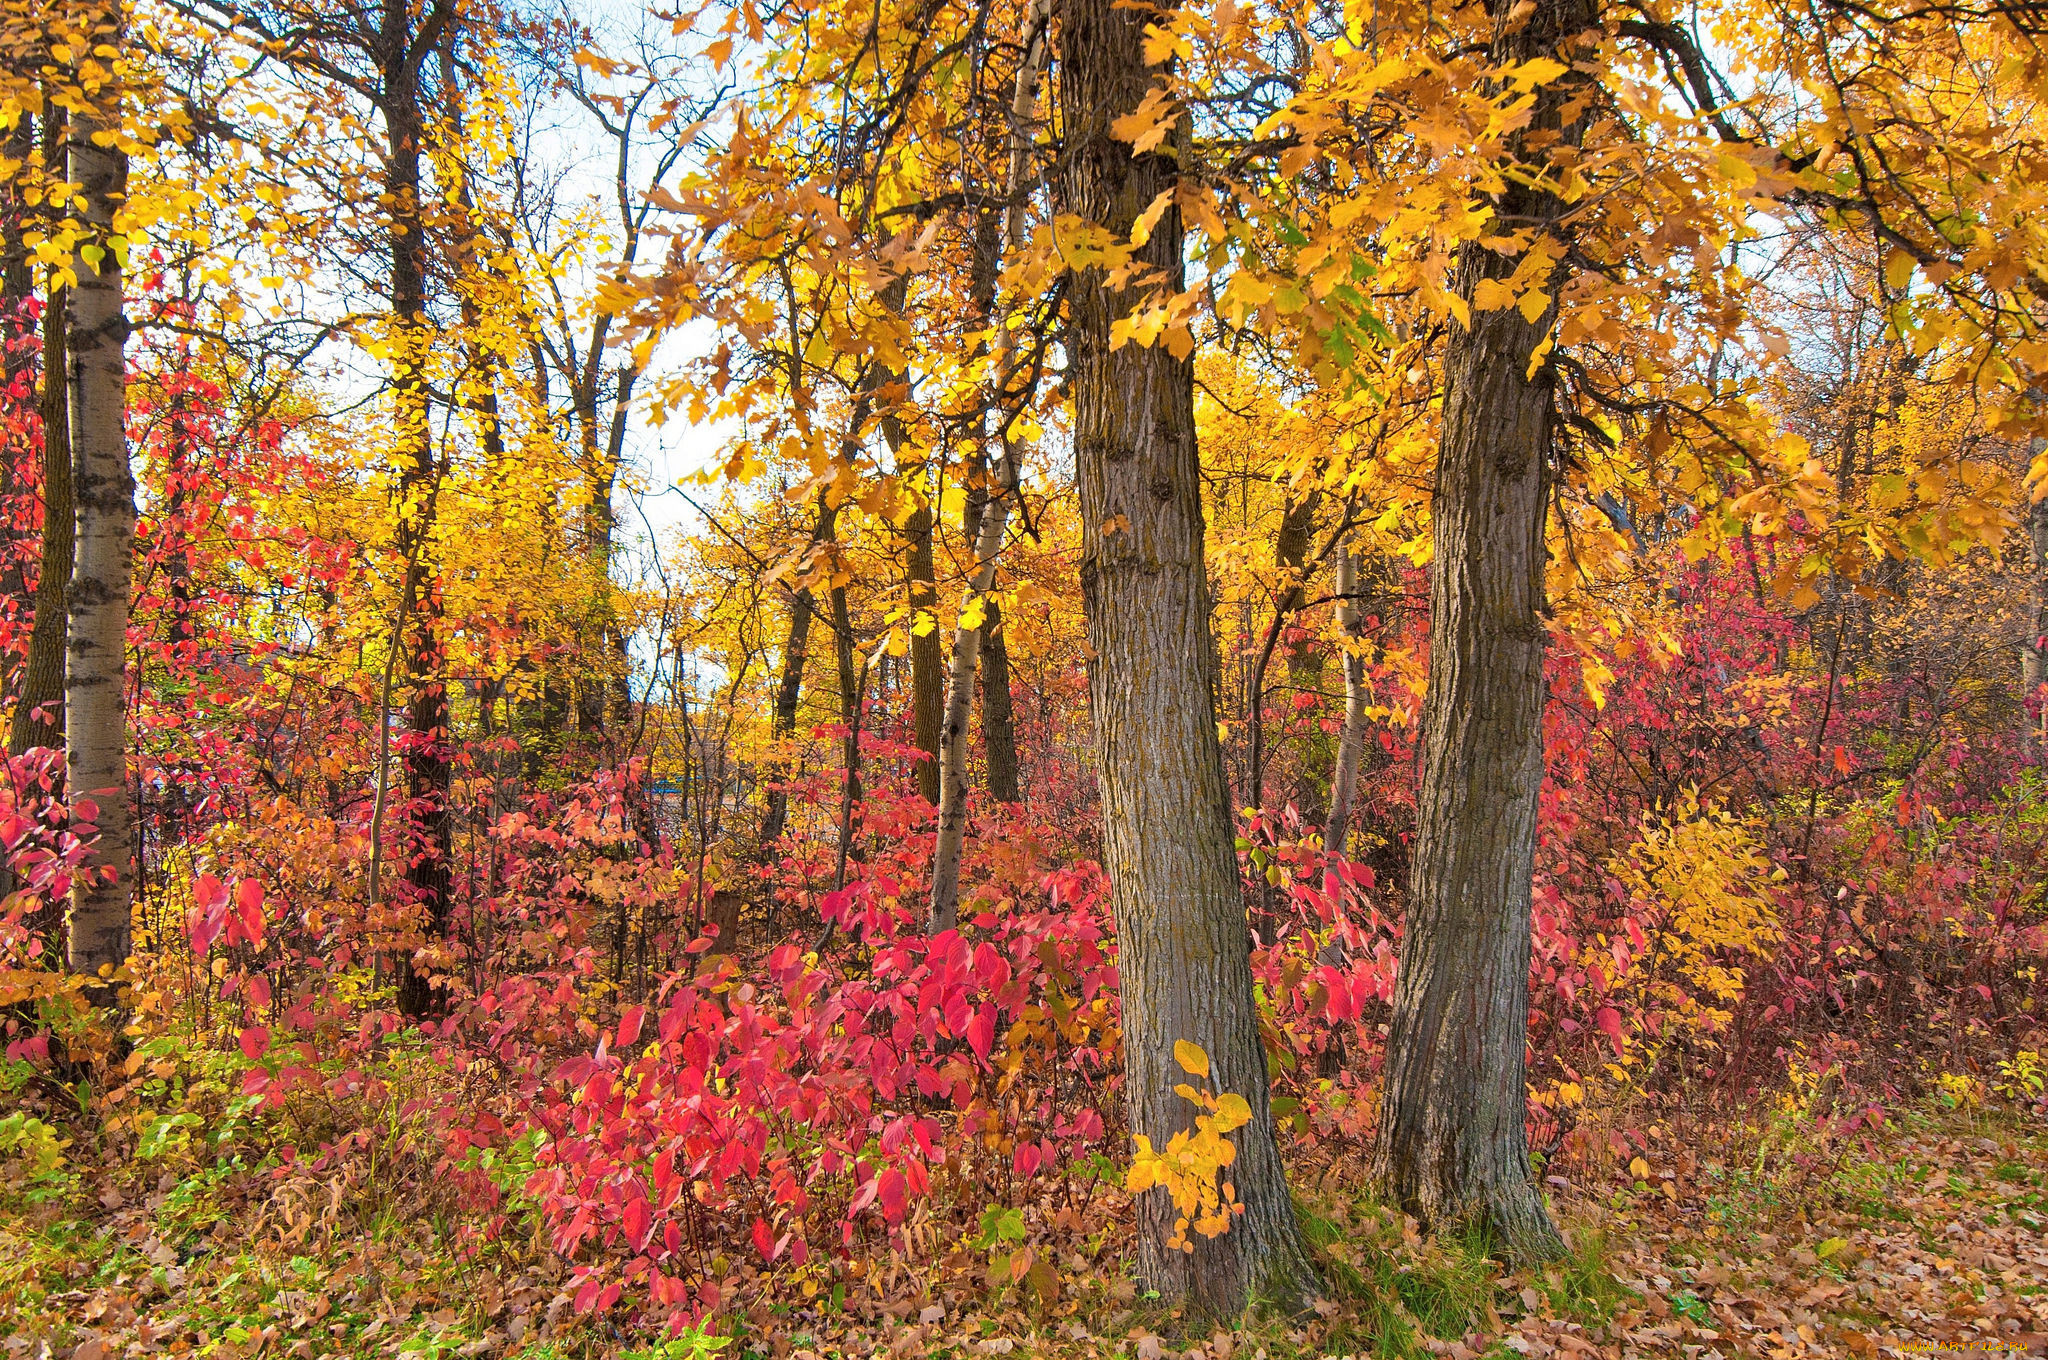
926,673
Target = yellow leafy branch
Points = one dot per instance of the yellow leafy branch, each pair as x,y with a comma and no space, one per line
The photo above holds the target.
1191,1168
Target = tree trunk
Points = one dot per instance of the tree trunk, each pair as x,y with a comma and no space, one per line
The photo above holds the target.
426,829
787,694
1182,940
1290,554
988,509
927,674
1351,742
2034,656
803,608
1452,1147
182,636
39,716
998,716
103,488
542,716
17,289
844,650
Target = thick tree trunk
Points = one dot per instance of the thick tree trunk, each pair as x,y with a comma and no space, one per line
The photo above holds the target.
39,715
988,510
103,488
2034,656
1452,1147
1351,741
1182,940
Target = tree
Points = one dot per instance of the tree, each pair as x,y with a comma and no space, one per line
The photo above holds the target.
1167,835
2034,653
1452,1147
988,514
103,489
39,709
1351,738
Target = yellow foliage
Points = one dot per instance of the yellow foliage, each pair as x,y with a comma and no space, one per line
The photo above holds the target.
1191,1167
1695,879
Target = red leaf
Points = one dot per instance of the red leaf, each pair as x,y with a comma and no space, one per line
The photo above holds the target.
1609,1020
208,892
638,1222
255,1040
981,1031
764,1239
249,907
629,1027
891,1195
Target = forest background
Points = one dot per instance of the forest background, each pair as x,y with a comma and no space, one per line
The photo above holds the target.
1316,649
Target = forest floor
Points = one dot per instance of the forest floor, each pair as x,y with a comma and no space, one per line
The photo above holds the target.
204,1238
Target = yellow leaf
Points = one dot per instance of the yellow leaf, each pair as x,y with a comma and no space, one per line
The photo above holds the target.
1146,126
1233,1111
1191,1058
1640,1169
1539,71
1490,295
1533,304
1898,270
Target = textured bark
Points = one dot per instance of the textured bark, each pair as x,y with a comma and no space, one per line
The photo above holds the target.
1351,741
2034,655
998,715
39,714
17,289
1182,941
17,278
988,511
795,651
103,491
927,664
427,827
1452,1148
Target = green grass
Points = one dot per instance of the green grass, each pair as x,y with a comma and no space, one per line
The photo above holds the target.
1394,1298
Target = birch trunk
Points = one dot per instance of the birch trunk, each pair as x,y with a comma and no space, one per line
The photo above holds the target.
1182,940
995,515
1452,1147
103,489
